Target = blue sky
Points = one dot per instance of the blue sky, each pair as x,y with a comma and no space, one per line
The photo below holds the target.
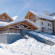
21,7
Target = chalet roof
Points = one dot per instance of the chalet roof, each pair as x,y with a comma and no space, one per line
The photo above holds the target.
22,20
19,20
42,15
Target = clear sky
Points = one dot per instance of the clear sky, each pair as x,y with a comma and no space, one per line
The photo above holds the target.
21,7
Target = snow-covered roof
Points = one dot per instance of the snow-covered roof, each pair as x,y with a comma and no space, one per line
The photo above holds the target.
32,23
42,15
21,20
2,24
16,21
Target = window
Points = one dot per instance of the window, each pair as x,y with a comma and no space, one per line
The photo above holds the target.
24,25
49,24
11,30
50,29
43,29
42,23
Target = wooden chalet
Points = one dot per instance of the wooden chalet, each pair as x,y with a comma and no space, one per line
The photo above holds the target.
13,26
5,18
43,21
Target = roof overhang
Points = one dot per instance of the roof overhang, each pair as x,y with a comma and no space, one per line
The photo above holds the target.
26,22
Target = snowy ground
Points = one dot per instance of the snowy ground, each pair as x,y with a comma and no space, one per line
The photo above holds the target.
28,46
44,35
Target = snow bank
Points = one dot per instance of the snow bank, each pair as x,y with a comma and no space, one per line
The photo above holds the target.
27,47
45,36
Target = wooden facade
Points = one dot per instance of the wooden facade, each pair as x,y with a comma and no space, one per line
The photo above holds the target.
5,18
30,16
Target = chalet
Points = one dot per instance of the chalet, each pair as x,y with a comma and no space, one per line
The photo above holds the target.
9,28
7,25
15,26
32,21
5,18
44,22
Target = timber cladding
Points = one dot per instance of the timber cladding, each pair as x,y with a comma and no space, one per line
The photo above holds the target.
5,17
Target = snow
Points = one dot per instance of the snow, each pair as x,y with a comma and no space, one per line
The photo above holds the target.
28,46
42,15
45,36
18,20
15,17
3,24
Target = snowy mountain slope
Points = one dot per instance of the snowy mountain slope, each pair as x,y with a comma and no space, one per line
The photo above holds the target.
28,46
